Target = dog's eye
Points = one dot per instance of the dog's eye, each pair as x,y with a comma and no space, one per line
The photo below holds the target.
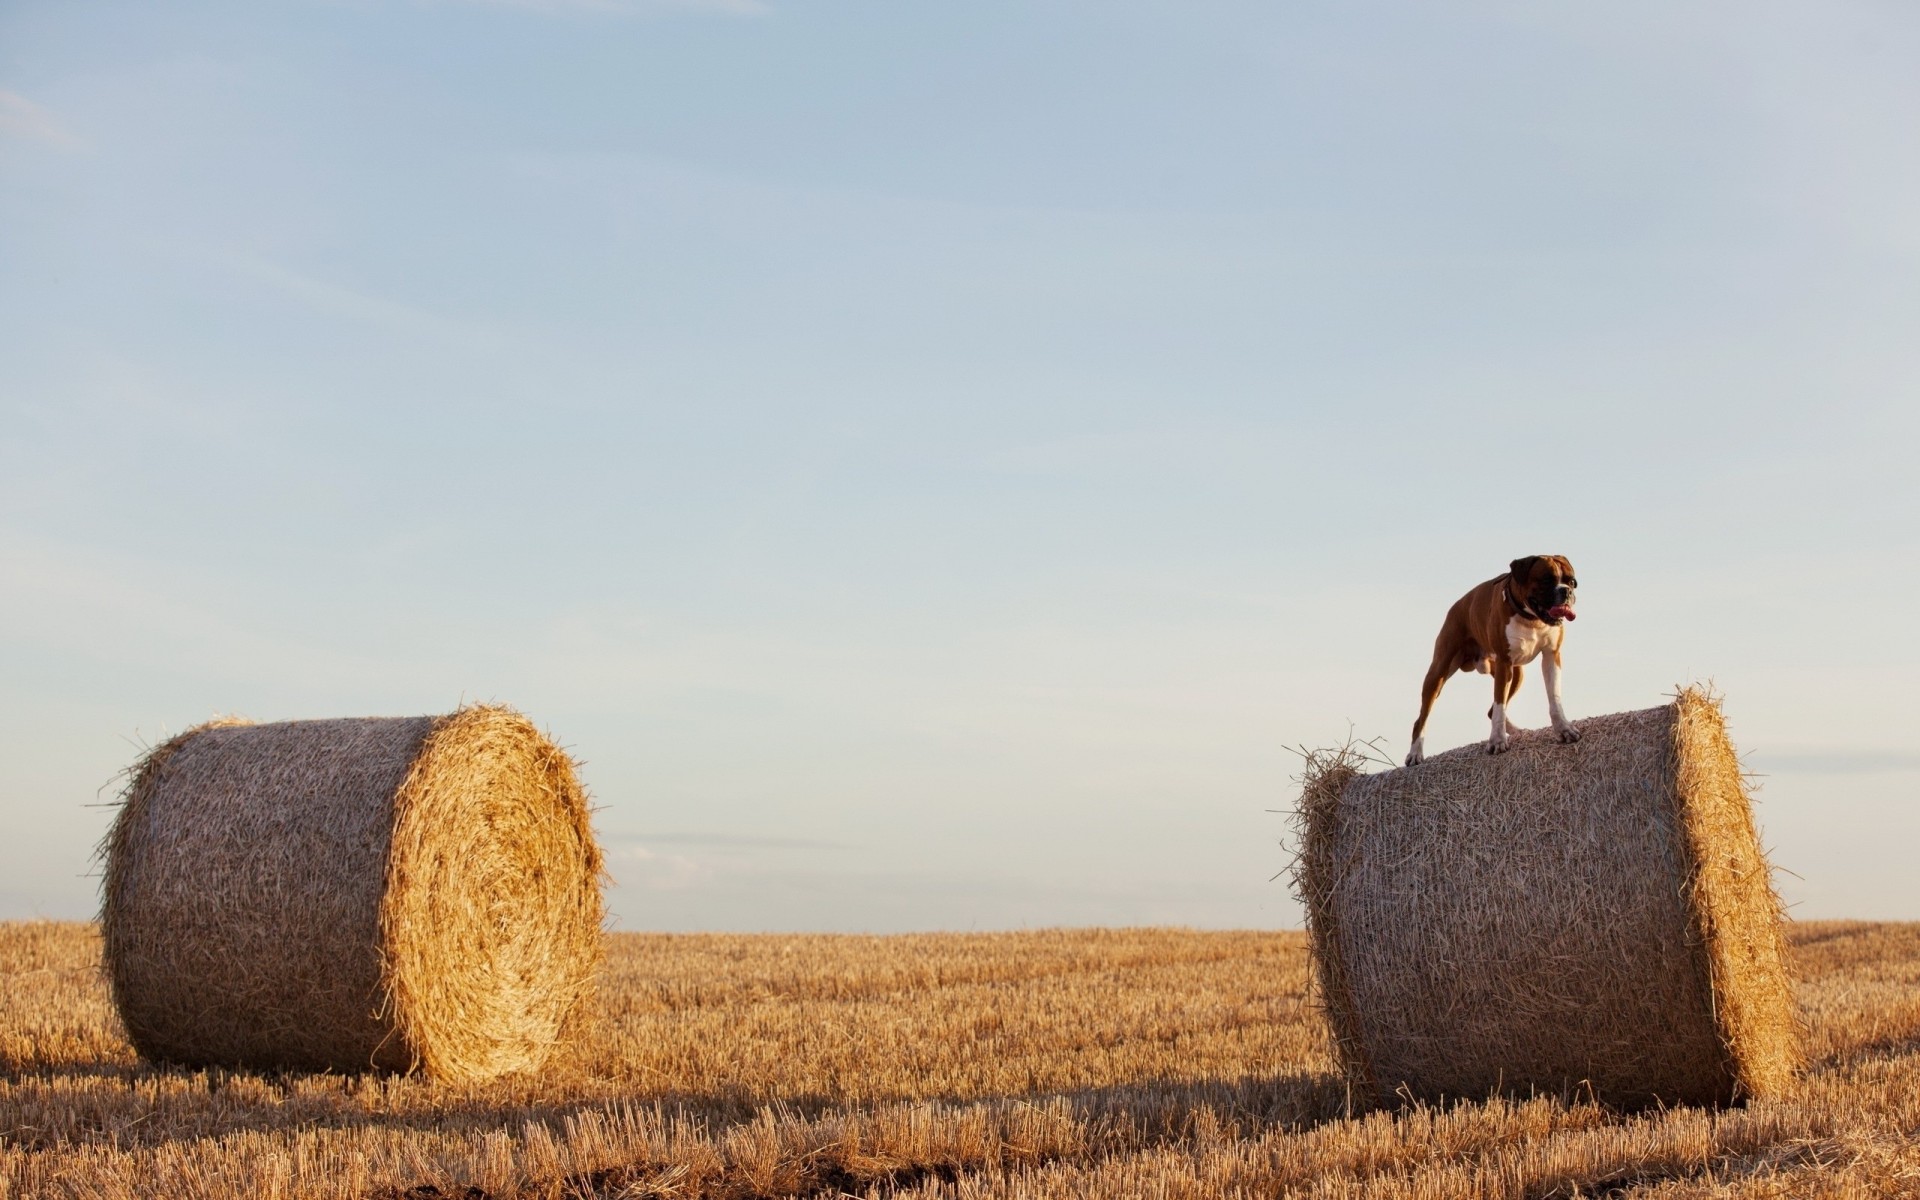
1570,581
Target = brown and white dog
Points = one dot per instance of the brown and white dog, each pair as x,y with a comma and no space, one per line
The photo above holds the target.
1497,629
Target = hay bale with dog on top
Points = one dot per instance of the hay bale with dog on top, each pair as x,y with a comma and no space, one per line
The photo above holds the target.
1587,919
406,893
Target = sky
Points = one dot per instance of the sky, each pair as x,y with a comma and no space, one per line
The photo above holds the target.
933,464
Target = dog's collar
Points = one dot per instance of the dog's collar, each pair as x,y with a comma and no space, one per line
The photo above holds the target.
1524,611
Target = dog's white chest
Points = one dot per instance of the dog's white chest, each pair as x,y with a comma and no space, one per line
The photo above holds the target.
1526,639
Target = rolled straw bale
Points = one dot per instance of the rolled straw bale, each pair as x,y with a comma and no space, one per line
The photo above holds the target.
369,893
1588,918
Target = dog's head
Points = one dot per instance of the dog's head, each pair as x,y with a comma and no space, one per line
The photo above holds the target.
1545,583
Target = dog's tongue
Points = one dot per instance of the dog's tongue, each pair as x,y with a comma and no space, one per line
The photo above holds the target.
1561,612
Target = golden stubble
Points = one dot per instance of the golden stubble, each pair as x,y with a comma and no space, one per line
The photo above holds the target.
1038,1064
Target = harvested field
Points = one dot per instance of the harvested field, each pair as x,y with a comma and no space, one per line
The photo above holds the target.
1041,1064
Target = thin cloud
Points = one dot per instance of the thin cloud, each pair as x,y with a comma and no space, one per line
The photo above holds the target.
1839,762
637,866
138,613
345,302
1195,450
685,861
22,118
735,841
738,8
731,8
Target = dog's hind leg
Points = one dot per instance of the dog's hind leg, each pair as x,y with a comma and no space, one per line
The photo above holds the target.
1429,692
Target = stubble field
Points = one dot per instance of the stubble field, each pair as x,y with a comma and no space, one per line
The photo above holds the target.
1055,1063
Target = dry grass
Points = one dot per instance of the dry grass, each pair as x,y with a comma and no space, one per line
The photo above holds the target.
1045,1064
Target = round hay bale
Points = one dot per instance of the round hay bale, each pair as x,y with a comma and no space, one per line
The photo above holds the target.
370,893
1595,918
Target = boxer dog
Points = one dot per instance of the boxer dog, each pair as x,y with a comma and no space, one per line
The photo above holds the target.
1497,629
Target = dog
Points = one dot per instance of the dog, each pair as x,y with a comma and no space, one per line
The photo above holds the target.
1497,629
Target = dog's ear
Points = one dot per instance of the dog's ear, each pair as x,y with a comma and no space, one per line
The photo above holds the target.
1523,567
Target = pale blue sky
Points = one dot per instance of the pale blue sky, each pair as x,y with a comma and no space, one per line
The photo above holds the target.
929,461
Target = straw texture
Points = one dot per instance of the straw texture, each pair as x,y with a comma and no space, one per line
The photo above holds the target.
1587,918
385,893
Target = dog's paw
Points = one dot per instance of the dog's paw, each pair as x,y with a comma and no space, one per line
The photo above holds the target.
1569,734
1414,759
1499,747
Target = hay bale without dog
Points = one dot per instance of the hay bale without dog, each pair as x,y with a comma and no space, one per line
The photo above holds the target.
385,893
1560,918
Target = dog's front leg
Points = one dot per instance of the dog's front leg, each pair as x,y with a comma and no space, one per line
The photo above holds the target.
1502,688
1557,713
